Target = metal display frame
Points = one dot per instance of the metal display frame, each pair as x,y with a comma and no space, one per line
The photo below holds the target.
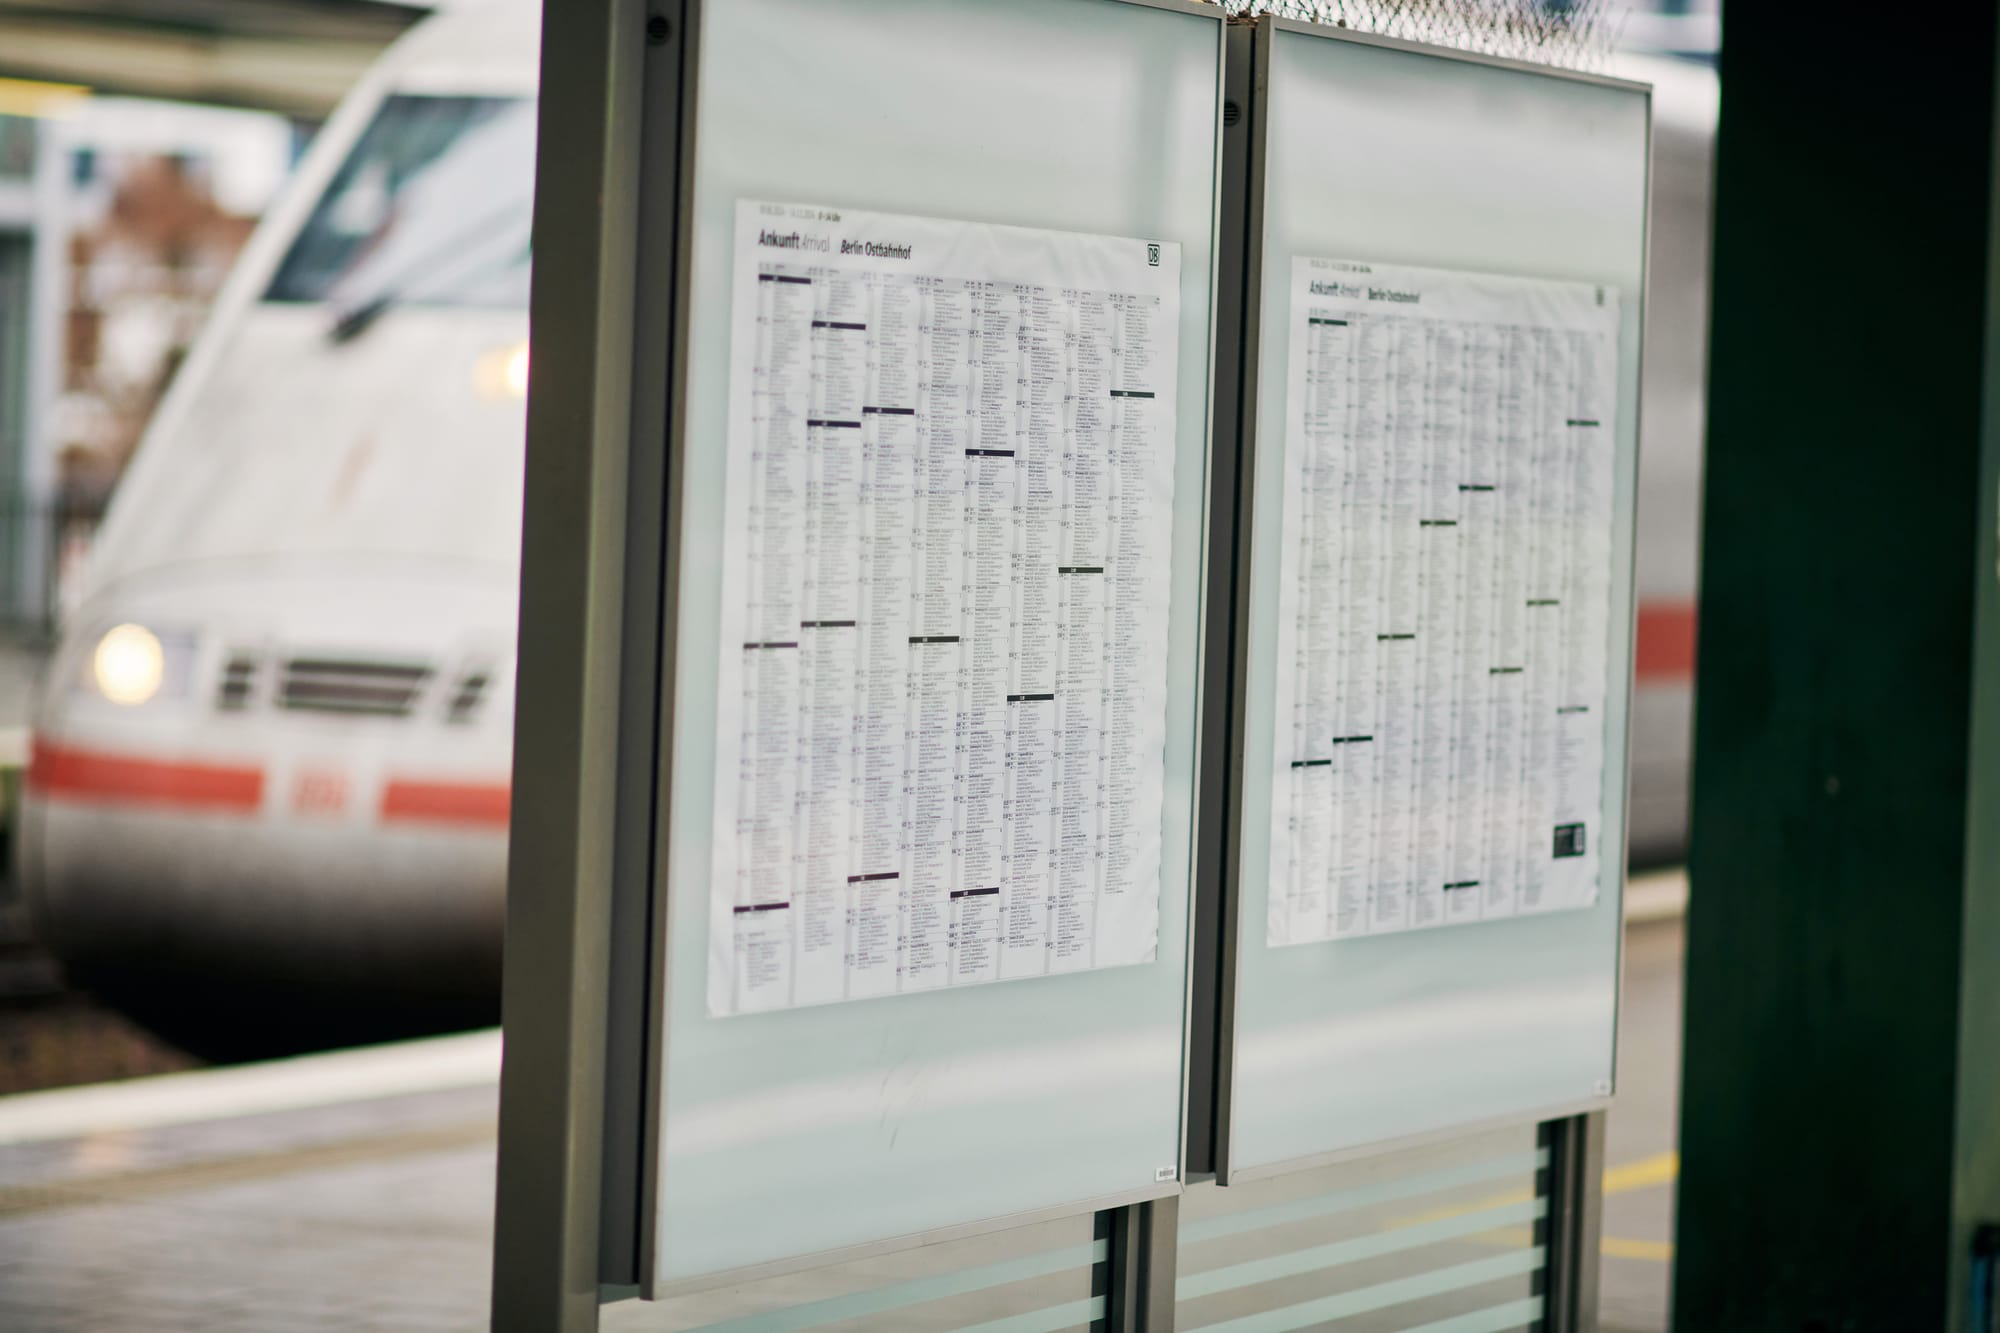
670,97
584,997
562,965
583,1071
1241,238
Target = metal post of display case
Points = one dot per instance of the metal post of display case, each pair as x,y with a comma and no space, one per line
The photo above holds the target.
559,891
1573,1183
1212,970
646,658
1140,1267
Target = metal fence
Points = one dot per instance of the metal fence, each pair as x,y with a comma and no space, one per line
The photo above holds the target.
1571,34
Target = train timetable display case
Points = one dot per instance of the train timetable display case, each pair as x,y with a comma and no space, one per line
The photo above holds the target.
899,810
1046,383
1438,416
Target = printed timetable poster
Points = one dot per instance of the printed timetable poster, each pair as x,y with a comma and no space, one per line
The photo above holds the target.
942,724
1444,616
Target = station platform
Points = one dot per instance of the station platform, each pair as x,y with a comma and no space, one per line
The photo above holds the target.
355,1190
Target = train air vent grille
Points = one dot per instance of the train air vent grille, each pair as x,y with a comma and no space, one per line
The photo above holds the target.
239,682
468,695
335,685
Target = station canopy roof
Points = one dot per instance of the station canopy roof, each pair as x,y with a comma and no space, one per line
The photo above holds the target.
291,56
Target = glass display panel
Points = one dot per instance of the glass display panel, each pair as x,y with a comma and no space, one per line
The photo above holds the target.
1447,424
806,1128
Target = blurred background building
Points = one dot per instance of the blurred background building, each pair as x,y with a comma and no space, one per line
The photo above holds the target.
119,220
154,202
139,143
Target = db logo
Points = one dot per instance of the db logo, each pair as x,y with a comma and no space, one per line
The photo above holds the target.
1153,253
320,791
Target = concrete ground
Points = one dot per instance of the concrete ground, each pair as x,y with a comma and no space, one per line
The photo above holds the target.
1640,1165
339,1198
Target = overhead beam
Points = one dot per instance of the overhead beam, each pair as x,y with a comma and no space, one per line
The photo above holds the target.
297,57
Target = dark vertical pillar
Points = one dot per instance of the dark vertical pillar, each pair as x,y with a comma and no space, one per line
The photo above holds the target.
1841,1100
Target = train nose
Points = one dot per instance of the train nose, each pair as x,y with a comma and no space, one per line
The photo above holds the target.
217,867
289,840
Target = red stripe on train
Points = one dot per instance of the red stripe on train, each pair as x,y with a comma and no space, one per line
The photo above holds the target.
1664,651
1664,654
480,803
96,775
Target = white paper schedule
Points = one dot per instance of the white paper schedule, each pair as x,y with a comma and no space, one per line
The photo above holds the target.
1444,599
942,723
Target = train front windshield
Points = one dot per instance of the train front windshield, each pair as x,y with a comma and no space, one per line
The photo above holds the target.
432,207
371,403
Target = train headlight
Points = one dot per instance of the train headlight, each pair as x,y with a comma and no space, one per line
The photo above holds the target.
502,372
129,665
132,664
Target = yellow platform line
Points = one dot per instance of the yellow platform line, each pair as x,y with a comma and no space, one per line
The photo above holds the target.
1620,1247
1622,1179
1659,1169
1646,1172
1614,1247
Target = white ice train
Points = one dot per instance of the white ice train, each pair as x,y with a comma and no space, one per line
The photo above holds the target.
273,744
271,756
